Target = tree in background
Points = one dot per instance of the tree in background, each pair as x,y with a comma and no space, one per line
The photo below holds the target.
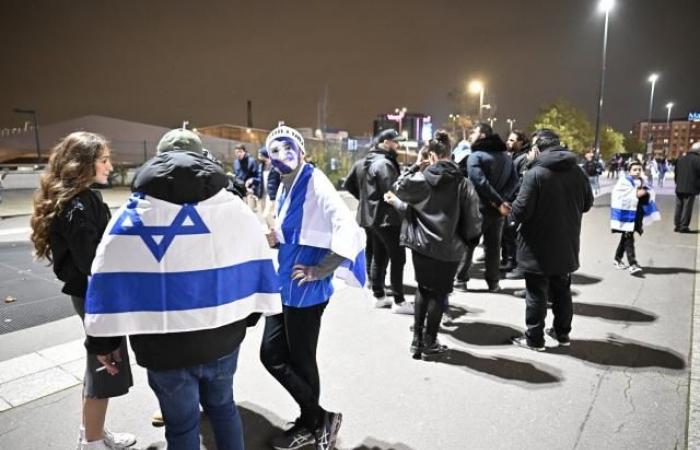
572,125
611,142
633,145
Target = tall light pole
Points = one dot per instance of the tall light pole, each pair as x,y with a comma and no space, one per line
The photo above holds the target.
604,6
510,124
36,130
652,79
477,87
669,106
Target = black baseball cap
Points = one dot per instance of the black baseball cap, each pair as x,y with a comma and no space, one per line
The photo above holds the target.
389,135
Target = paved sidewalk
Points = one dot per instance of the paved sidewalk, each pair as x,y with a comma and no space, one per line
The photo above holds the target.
622,384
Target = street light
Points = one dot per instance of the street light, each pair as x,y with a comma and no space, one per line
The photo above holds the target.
491,120
36,130
477,87
669,106
510,124
604,6
652,79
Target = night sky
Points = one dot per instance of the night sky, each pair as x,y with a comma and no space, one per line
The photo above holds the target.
161,62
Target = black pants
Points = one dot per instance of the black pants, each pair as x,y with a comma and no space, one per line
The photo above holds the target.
537,289
428,310
491,229
626,245
508,245
684,211
369,251
385,248
288,352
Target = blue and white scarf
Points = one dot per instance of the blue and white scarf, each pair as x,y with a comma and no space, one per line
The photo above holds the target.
313,214
624,201
166,268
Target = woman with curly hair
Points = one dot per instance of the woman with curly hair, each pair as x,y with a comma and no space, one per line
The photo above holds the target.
68,221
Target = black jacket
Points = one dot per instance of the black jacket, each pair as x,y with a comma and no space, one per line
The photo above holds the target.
178,177
73,238
442,212
552,199
490,169
688,173
369,179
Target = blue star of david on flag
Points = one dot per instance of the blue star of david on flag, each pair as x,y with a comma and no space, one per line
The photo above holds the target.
130,224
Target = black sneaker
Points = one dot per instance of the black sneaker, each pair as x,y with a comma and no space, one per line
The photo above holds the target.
521,341
494,287
563,340
326,434
460,286
296,437
433,350
515,274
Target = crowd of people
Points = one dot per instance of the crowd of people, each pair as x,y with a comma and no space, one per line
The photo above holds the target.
186,315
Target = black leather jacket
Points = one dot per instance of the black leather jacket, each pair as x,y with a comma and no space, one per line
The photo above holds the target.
369,179
442,211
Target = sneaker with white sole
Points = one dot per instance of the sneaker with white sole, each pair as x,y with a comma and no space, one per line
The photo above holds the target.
295,437
564,341
93,445
115,441
382,302
327,433
618,264
522,341
402,308
634,268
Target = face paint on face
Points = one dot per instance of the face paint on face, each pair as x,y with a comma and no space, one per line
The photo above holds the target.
284,155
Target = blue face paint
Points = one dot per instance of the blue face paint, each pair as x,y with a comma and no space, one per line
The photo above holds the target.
284,154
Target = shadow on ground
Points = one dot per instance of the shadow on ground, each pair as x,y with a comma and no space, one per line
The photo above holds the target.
582,278
613,312
482,333
617,351
374,444
500,368
667,270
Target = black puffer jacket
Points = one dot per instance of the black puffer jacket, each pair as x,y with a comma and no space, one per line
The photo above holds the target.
178,177
442,213
368,181
74,236
553,197
490,169
688,173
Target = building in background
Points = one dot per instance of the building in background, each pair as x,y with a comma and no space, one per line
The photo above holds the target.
672,139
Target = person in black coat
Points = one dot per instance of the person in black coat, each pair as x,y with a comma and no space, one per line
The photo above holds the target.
518,146
687,173
441,211
491,171
549,207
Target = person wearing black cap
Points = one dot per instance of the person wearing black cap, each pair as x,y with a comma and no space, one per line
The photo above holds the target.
368,182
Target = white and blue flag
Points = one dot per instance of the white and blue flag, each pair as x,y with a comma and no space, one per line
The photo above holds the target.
313,214
165,268
624,202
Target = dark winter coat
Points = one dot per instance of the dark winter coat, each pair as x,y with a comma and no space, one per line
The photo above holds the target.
491,170
442,212
688,173
245,169
369,179
552,199
73,238
178,177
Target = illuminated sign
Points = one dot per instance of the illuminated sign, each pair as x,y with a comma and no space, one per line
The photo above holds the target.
694,117
395,117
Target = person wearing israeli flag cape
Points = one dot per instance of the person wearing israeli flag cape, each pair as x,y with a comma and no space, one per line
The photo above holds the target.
174,274
317,236
632,206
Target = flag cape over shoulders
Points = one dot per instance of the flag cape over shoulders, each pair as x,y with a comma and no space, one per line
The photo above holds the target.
623,205
165,268
314,214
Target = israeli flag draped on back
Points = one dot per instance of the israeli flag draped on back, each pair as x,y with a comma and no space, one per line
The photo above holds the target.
314,214
623,205
166,268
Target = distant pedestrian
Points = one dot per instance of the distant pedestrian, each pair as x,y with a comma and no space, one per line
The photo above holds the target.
687,173
552,199
442,215
491,171
67,225
369,182
245,170
593,169
632,206
269,180
518,145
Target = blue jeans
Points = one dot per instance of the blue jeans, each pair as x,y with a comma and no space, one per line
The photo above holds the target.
180,391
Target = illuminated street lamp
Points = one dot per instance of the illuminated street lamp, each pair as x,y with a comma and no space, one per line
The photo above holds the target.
652,79
477,87
510,124
669,106
605,6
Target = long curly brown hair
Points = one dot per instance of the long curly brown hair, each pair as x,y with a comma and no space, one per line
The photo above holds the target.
71,170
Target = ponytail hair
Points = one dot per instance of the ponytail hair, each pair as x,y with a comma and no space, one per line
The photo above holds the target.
440,144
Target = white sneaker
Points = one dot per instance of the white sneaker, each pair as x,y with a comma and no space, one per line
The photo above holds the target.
94,445
382,302
634,269
619,264
114,441
402,308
